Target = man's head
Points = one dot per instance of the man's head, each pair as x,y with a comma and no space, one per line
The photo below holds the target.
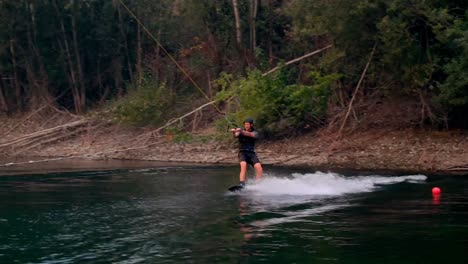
248,124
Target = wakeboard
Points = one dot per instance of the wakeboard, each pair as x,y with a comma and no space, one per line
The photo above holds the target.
235,188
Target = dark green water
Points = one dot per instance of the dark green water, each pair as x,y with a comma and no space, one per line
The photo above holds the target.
184,215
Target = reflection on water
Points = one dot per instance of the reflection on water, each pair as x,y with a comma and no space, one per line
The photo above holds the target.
174,214
436,199
298,196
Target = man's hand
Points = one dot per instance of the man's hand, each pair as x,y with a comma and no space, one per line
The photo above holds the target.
236,131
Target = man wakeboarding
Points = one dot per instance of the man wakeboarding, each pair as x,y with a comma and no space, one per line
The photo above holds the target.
247,137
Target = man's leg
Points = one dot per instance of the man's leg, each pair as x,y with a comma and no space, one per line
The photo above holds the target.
243,171
258,170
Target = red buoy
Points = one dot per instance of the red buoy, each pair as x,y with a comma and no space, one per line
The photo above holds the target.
436,191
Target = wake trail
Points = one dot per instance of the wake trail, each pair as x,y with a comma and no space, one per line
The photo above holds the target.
324,183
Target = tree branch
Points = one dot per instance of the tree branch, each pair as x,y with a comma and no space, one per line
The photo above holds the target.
298,59
350,105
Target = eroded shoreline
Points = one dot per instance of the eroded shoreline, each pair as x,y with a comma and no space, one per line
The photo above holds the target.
380,150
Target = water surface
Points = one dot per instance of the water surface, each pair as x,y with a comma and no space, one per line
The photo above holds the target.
180,214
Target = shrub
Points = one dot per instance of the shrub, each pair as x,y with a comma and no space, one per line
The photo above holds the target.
148,105
279,108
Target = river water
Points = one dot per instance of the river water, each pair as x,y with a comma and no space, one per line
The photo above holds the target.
183,214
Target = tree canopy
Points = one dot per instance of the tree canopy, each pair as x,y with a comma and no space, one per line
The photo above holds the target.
151,60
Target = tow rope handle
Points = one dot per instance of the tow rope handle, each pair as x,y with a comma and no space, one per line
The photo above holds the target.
230,124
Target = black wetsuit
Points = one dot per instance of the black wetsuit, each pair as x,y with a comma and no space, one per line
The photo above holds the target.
247,148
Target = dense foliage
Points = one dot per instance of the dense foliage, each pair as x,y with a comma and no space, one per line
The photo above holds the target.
147,105
88,53
279,106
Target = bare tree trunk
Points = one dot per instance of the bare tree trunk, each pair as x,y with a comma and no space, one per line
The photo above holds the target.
217,57
67,69
210,87
42,72
117,70
39,86
33,93
426,111
139,57
123,35
238,25
271,58
30,94
252,22
69,62
104,94
18,92
74,86
158,59
82,87
103,91
3,102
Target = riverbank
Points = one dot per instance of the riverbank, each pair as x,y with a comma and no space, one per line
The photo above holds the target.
371,149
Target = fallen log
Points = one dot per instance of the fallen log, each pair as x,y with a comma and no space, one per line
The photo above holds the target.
38,143
463,167
143,138
24,120
125,149
44,132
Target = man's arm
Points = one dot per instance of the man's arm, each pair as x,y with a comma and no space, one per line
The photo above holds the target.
252,134
236,132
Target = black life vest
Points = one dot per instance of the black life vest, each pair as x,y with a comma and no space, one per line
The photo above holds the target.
247,143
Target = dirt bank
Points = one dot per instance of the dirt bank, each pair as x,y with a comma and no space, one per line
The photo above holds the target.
396,149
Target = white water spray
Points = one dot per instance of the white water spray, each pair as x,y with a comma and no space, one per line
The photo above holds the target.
320,183
314,193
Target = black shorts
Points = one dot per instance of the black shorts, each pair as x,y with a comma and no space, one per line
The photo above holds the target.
248,157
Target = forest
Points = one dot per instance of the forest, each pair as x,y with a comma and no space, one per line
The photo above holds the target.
293,65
